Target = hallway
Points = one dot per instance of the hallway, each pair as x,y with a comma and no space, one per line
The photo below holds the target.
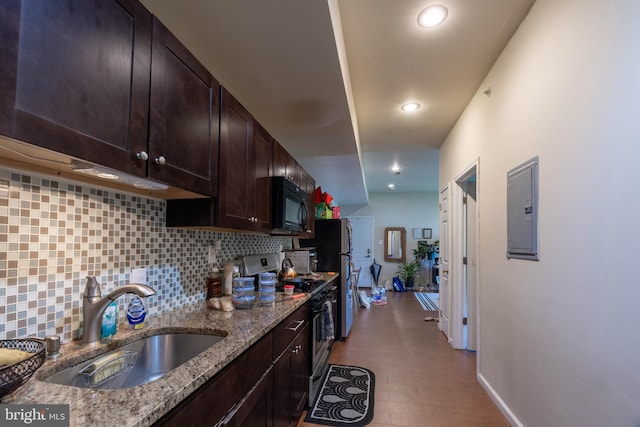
420,380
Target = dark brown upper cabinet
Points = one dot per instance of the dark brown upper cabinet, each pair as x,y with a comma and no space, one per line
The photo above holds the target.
284,164
78,78
236,139
308,185
245,168
263,170
74,78
184,117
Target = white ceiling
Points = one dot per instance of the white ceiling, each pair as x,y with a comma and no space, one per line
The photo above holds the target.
327,77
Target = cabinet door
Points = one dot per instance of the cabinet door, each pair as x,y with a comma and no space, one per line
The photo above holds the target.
184,123
282,403
236,137
291,380
262,171
308,184
299,374
75,78
284,164
220,395
256,407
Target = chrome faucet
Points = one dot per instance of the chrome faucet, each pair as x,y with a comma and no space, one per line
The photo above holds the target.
94,305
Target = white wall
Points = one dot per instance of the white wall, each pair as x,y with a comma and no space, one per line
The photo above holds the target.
408,210
559,339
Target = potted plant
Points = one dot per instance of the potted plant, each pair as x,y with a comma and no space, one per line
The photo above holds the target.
407,271
421,252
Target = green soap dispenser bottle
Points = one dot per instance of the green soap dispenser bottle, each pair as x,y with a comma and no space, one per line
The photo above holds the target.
109,321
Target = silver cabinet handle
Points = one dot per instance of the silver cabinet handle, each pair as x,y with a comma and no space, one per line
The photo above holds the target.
299,323
161,160
142,156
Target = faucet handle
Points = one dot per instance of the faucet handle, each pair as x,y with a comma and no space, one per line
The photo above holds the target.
93,288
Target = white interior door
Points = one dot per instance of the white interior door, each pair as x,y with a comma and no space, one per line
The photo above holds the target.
445,223
362,248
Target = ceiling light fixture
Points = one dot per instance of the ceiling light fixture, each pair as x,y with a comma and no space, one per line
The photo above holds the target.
410,106
391,187
432,16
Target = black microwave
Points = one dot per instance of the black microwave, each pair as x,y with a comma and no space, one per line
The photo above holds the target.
289,207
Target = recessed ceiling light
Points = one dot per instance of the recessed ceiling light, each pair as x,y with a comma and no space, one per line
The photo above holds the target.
391,187
410,106
432,16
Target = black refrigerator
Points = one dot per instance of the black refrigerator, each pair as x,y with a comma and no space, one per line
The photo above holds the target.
333,247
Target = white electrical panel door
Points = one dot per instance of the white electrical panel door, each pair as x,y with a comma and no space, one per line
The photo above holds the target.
522,211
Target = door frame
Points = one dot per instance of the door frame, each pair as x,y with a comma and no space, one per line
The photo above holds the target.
457,276
373,249
445,259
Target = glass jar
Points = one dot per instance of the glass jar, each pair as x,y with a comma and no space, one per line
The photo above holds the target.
214,283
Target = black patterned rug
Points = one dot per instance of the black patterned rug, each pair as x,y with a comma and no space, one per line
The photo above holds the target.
345,399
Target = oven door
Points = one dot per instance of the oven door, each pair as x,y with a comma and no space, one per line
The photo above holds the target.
320,351
320,341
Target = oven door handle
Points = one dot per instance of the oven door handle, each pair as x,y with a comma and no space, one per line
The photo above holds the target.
322,310
299,323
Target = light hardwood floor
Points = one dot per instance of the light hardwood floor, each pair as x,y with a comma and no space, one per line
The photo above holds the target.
420,380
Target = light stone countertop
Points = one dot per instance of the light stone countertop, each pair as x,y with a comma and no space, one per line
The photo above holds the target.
142,405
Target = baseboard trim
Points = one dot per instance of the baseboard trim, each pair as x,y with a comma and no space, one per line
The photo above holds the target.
506,411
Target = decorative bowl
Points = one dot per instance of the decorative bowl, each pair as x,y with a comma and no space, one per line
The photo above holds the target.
14,375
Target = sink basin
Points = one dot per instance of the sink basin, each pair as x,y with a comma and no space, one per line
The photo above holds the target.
136,363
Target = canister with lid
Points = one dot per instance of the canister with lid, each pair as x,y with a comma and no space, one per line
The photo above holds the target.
244,295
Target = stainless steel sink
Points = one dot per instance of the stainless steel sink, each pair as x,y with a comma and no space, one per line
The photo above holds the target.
136,363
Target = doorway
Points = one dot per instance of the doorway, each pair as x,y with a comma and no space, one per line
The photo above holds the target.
464,277
445,306
362,248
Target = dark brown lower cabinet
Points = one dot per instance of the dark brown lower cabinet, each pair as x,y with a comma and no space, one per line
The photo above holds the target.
290,381
265,386
256,408
223,393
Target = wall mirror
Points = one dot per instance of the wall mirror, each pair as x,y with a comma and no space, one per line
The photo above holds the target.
395,244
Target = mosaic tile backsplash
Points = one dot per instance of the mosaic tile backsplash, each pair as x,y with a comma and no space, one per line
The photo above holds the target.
54,233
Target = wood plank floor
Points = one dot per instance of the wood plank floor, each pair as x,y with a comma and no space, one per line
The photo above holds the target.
420,379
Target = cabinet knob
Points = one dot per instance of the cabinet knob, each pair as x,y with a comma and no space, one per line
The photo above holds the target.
142,155
161,160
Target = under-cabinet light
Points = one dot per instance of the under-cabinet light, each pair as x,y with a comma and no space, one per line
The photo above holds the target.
114,175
